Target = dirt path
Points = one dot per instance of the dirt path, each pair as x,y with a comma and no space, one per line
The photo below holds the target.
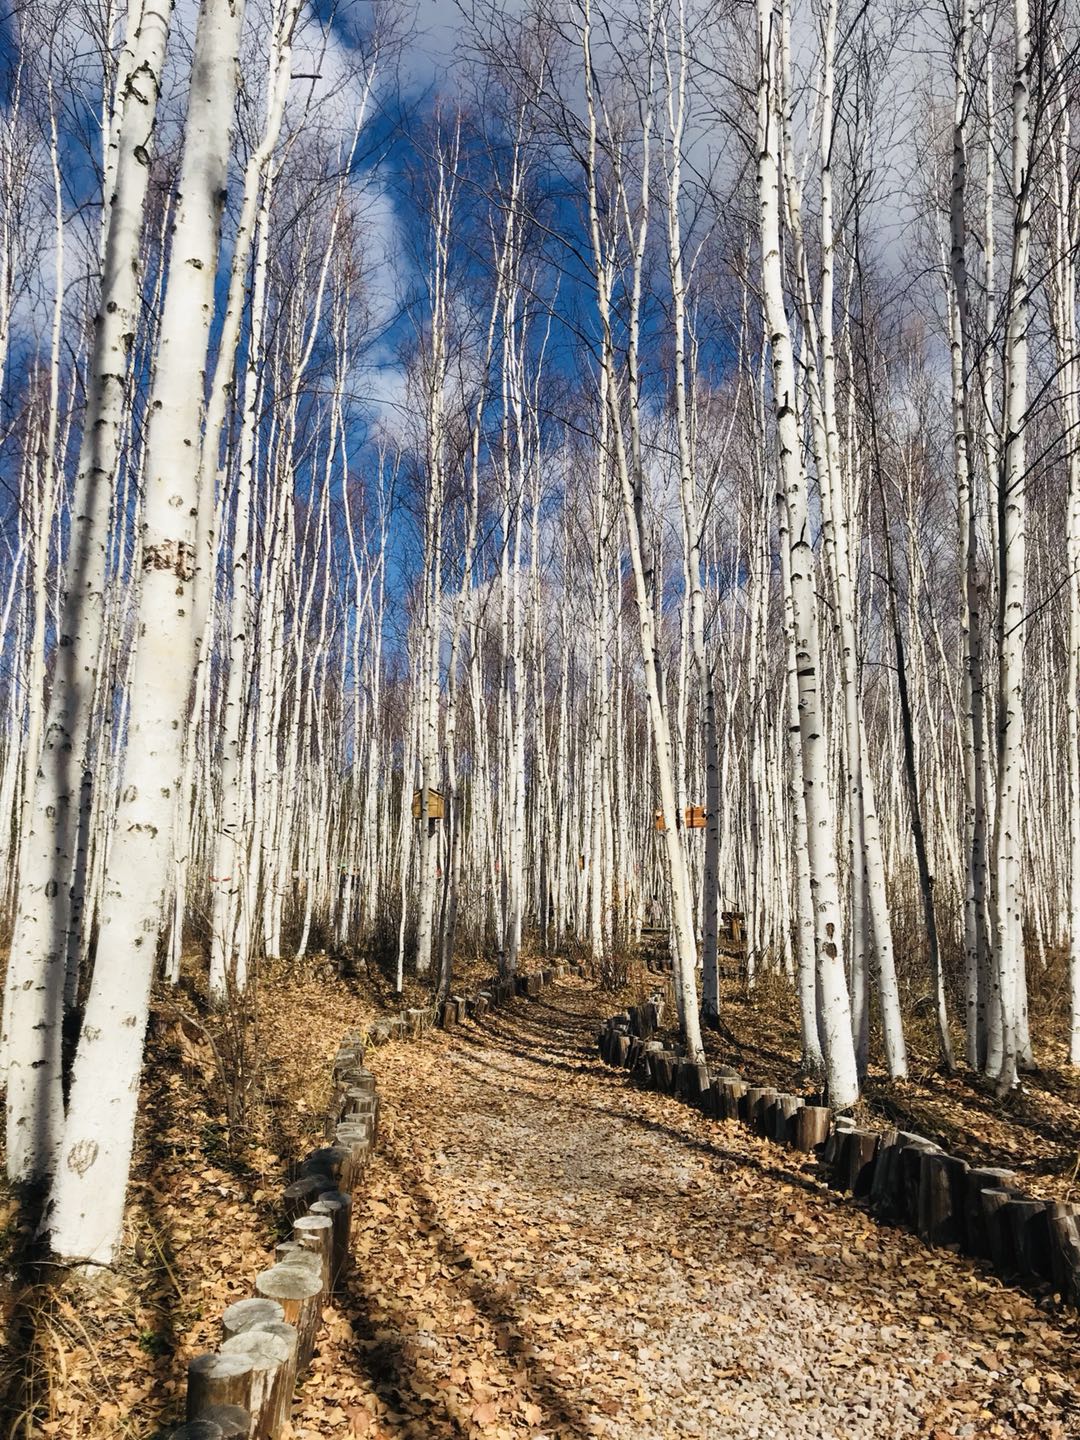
546,1251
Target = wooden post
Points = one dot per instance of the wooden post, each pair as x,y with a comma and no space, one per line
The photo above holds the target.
297,1197
338,1207
841,1125
811,1127
911,1149
358,1102
291,1252
328,1163
647,1070
693,1080
862,1147
755,1099
784,1112
249,1315
215,1380
286,1382
1064,1230
942,1188
976,1241
356,1136
739,1090
316,1233
1031,1237
763,1114
298,1290
887,1194
998,1231
269,1357
233,1421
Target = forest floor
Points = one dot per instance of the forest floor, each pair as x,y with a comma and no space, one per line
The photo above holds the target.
1034,1130
540,1250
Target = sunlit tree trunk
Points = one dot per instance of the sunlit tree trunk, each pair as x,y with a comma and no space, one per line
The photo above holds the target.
87,1198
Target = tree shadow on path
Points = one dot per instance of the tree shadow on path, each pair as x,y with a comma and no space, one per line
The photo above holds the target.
392,1362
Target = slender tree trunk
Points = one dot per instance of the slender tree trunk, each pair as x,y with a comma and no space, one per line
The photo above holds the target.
88,1190
51,893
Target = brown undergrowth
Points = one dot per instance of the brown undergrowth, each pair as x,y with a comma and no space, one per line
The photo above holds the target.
228,1105
225,1111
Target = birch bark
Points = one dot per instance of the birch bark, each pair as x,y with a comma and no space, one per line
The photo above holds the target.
51,895
87,1200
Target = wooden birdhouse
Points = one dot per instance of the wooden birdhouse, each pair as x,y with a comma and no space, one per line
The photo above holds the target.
659,821
694,817
436,805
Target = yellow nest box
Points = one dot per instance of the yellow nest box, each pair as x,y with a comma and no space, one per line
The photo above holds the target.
436,805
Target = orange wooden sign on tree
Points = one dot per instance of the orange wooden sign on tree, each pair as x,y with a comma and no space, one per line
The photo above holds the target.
694,817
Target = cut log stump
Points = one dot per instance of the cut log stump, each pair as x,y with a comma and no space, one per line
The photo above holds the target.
215,1379
298,1290
296,1198
330,1163
1064,1227
976,1239
316,1233
233,1421
731,1094
998,1230
339,1208
784,1113
269,1358
1030,1223
811,1127
249,1315
862,1148
910,1175
942,1191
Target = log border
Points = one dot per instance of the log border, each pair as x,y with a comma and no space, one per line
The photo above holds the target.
454,1010
898,1176
245,1389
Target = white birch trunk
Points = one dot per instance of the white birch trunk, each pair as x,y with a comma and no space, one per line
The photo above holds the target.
87,1201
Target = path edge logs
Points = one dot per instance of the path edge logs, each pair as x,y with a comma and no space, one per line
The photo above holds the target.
244,1390
898,1176
455,1009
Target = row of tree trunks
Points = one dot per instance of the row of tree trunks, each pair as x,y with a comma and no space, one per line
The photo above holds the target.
902,1177
245,1388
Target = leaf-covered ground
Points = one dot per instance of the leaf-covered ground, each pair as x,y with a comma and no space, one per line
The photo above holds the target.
1035,1130
200,1222
545,1251
541,1250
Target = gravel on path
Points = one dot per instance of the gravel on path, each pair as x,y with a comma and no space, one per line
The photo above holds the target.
544,1250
